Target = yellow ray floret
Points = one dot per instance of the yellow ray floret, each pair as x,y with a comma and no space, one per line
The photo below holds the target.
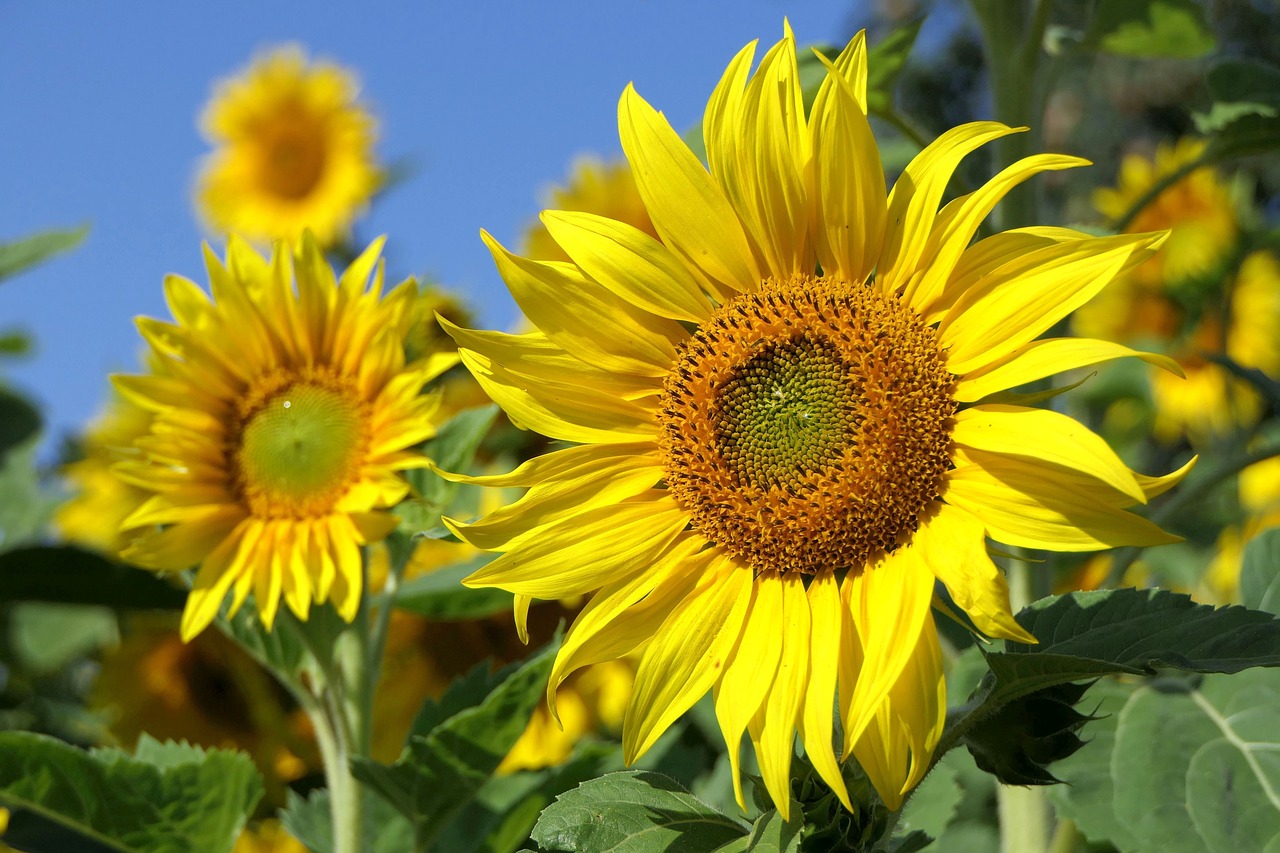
282,409
784,440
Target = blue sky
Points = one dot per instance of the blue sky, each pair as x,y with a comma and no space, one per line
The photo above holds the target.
489,101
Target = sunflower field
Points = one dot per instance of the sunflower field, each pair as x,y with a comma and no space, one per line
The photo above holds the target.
887,459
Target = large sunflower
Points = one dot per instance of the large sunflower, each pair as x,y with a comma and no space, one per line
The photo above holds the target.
294,150
282,417
784,425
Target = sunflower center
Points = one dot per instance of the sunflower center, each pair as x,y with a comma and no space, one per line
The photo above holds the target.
293,155
299,450
808,425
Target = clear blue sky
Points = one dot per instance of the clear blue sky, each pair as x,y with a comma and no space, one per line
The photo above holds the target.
489,101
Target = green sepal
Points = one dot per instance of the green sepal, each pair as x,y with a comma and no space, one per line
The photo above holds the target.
1018,742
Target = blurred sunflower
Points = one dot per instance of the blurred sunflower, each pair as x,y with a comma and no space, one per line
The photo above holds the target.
1259,496
775,465
102,501
208,692
281,420
606,189
294,150
424,656
267,836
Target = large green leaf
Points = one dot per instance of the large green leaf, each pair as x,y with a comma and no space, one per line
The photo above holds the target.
1085,635
633,812
1174,29
1177,765
29,251
66,574
1245,116
167,798
1260,572
458,743
932,805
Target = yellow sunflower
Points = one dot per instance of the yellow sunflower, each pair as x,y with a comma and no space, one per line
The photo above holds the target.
606,189
294,150
102,501
782,443
282,417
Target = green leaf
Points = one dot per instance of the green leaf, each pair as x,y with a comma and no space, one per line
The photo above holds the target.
1171,29
169,798
14,343
382,830
1179,766
912,842
453,449
47,637
1260,572
633,812
280,649
29,251
932,805
25,507
453,752
441,595
885,62
772,834
69,575
1084,635
19,421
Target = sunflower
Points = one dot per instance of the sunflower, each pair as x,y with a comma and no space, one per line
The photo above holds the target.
294,150
281,420
102,501
783,425
604,188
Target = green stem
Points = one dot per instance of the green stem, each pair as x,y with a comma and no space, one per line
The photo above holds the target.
903,125
1066,838
1184,498
1025,820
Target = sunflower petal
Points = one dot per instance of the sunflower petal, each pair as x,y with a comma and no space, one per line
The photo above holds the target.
1042,358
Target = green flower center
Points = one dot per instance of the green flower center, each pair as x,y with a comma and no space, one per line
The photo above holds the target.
808,425
299,450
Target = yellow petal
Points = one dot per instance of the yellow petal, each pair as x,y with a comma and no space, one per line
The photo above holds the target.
774,725
913,204
555,466
687,655
584,318
826,649
1026,504
1046,436
849,202
1023,298
1042,358
947,242
630,263
952,543
688,210
214,579
888,602
749,672
585,552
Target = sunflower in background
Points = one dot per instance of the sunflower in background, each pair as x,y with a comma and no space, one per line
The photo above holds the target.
774,466
293,149
282,419
101,501
595,186
267,836
1185,300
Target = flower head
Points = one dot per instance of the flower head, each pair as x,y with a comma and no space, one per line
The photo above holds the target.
281,419
783,425
294,150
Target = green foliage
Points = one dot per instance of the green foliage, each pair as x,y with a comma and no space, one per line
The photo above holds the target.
165,798
457,743
1245,116
1172,29
1260,572
18,255
1179,764
66,574
384,830
637,812
1089,634
19,421
885,62
47,637
1018,742
934,802
453,449
441,595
